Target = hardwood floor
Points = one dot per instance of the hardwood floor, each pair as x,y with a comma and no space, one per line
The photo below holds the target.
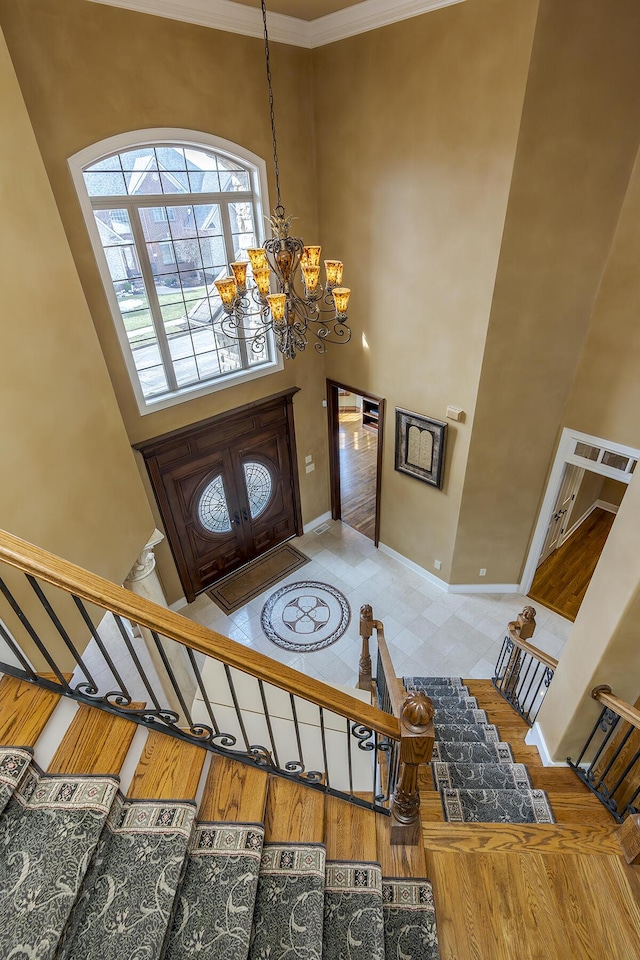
561,581
358,453
533,891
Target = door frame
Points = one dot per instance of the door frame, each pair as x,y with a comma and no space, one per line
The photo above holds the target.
565,453
333,419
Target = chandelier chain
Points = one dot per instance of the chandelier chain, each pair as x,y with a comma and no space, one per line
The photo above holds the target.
271,107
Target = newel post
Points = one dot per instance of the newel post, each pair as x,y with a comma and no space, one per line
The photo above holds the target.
524,628
366,629
416,747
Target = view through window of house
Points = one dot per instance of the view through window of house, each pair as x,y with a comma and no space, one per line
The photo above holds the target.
170,220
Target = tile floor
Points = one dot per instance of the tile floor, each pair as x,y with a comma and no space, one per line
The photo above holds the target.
429,632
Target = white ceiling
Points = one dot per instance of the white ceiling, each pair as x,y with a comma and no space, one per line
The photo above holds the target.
303,23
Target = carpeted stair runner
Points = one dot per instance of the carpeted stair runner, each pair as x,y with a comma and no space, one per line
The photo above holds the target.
13,766
49,831
409,920
353,912
474,772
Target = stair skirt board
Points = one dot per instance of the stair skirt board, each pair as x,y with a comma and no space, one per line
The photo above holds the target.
214,908
353,914
70,812
472,752
480,776
127,899
466,732
13,766
496,806
289,910
409,920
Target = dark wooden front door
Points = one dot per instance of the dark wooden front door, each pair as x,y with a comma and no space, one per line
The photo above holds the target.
227,489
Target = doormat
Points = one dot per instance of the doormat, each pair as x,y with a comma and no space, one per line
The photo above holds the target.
305,616
242,586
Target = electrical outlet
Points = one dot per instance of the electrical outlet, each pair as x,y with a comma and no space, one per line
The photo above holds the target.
310,467
437,564
482,572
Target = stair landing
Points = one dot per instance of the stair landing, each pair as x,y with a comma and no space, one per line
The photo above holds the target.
527,891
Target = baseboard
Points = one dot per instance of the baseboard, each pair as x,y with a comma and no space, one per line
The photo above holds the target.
448,587
535,738
178,604
609,507
308,527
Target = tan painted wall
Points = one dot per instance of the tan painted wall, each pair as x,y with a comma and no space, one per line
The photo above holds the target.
417,126
90,71
69,481
605,398
588,493
577,145
613,491
603,646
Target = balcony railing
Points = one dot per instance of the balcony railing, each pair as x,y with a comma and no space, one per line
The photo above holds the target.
609,763
523,672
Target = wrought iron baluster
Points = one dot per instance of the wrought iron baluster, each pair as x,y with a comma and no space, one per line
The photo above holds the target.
267,717
172,678
611,762
597,727
349,759
24,620
101,647
323,737
296,727
610,721
205,696
17,652
537,694
232,691
168,716
627,770
68,642
533,666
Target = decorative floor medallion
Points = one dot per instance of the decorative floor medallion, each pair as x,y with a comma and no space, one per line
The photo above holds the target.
306,616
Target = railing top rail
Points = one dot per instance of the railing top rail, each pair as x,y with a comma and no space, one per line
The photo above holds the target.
396,690
89,586
540,655
608,699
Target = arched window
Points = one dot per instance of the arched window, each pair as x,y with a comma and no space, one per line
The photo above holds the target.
167,211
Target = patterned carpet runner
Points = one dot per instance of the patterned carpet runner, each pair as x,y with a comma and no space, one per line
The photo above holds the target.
86,874
473,770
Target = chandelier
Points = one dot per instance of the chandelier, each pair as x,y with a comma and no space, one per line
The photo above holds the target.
298,309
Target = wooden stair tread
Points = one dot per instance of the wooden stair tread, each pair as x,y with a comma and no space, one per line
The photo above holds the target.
96,742
234,791
521,838
350,831
399,859
168,769
24,711
294,813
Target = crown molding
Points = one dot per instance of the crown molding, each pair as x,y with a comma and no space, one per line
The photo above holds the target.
238,18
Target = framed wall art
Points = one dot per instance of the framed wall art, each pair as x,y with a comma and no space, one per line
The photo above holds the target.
420,446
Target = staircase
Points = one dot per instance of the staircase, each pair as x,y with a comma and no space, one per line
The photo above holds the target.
473,770
135,845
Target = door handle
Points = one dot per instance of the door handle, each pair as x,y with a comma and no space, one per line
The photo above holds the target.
245,513
236,517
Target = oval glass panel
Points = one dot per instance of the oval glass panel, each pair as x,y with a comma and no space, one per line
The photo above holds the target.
213,512
259,487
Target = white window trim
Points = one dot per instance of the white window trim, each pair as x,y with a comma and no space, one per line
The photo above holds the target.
149,137
563,456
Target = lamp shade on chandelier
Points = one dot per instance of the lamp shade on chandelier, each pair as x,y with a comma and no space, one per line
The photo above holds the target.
279,288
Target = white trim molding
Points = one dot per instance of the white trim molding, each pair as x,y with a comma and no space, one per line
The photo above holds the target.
308,527
247,21
535,738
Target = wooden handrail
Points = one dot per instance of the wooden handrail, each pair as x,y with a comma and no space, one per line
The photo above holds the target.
88,586
545,658
603,695
397,692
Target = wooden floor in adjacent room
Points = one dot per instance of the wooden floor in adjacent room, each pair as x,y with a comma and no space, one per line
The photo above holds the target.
532,891
358,457
561,581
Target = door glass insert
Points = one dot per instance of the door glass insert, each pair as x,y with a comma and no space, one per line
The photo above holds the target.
259,487
213,512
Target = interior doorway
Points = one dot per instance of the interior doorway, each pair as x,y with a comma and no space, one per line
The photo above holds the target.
587,485
356,426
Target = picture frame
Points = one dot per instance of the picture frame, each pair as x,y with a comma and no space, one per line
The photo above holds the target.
420,447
